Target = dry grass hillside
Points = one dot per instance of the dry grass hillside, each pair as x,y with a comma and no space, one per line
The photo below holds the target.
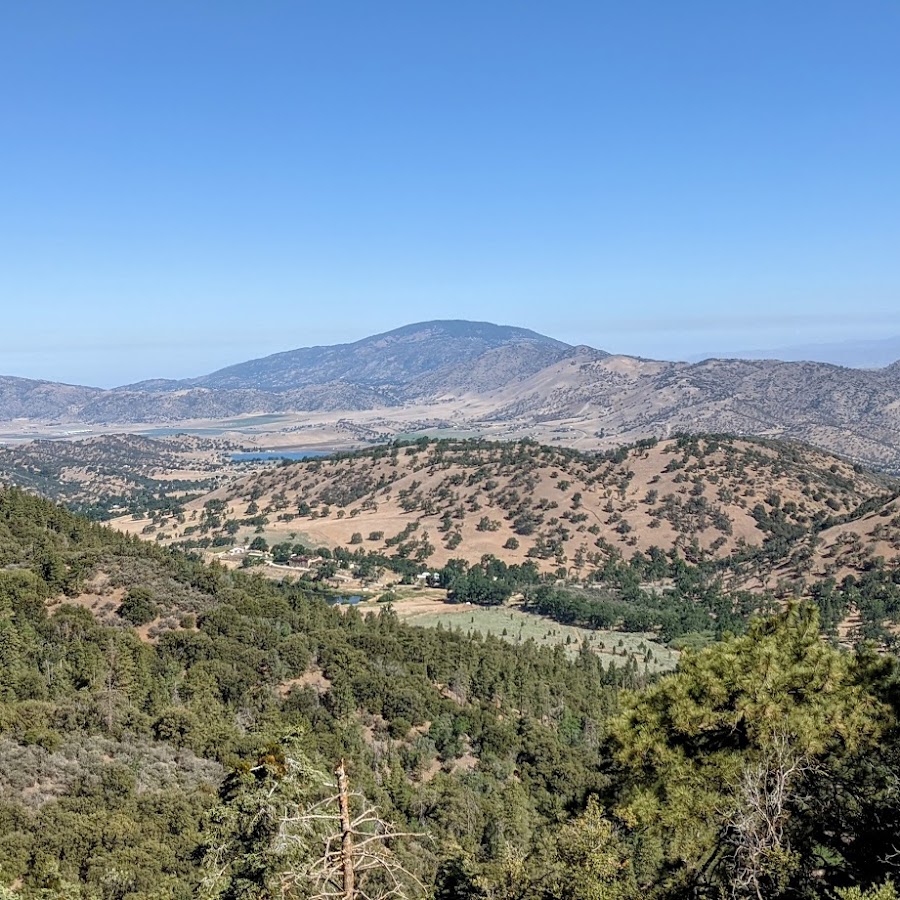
707,497
852,548
850,412
107,473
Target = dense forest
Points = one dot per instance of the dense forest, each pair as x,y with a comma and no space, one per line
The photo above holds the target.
201,762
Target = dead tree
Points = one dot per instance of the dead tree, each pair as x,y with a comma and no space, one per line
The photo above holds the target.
349,875
357,861
757,826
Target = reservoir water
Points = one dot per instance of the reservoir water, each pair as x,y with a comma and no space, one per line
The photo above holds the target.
293,455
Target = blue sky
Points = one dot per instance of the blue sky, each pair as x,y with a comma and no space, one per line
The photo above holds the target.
189,184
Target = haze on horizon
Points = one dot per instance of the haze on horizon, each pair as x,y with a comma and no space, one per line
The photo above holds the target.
189,187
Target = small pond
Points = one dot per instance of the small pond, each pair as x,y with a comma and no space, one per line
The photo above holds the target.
345,601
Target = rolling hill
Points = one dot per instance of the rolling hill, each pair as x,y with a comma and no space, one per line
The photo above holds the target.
701,498
109,474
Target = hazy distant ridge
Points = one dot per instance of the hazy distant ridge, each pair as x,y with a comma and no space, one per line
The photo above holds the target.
856,354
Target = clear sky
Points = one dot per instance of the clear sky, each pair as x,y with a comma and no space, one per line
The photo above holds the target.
187,184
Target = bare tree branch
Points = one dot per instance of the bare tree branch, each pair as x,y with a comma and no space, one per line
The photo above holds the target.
756,827
356,861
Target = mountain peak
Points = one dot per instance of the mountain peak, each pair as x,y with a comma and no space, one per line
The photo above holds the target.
464,329
392,361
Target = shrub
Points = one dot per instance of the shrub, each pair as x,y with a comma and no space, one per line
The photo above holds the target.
138,607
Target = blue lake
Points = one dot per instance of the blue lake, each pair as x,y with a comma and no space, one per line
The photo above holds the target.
293,455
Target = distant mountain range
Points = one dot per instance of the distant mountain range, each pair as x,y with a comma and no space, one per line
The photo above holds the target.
857,354
499,374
